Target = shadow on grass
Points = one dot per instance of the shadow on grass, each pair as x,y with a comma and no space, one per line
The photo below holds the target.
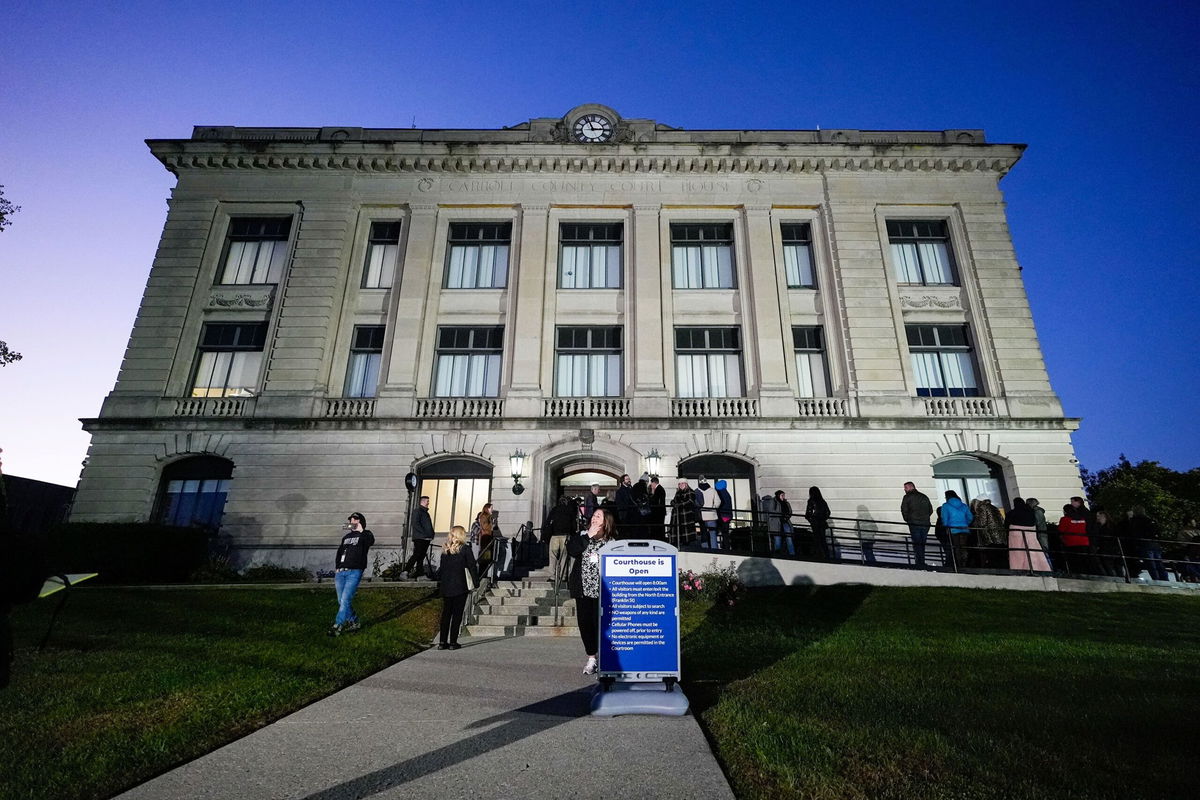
769,624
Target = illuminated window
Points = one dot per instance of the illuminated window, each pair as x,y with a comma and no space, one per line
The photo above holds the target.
256,250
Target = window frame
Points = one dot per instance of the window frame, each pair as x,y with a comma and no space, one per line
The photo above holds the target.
590,349
729,242
489,350
463,241
618,244
809,349
707,348
941,349
362,343
231,237
256,344
945,237
786,242
372,242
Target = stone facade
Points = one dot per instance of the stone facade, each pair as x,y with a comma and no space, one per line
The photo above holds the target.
303,455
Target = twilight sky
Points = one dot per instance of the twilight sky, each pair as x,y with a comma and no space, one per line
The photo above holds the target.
1103,206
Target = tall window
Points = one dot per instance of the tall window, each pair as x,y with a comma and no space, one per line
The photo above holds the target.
588,362
383,251
591,255
810,361
942,361
708,362
702,256
230,360
797,255
457,489
193,492
921,251
366,351
256,250
468,362
478,255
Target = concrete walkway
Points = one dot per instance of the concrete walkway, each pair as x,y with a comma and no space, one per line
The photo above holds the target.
500,718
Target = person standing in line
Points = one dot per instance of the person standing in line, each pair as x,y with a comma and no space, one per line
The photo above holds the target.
640,518
707,502
591,502
349,563
1145,532
817,512
458,575
683,514
724,511
561,524
421,533
481,536
1024,552
1103,535
993,537
626,508
1073,531
779,522
957,518
658,510
915,510
584,582
1043,529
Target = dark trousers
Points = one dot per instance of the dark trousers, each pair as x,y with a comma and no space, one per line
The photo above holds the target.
958,545
417,559
919,534
587,611
452,616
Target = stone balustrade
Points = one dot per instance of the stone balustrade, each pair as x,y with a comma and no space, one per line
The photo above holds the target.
350,408
462,407
214,407
823,407
586,407
959,407
710,407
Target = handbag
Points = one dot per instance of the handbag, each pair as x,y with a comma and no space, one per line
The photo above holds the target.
470,580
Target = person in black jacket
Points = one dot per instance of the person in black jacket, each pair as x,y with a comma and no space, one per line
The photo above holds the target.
421,532
626,508
817,514
349,564
457,576
584,581
657,496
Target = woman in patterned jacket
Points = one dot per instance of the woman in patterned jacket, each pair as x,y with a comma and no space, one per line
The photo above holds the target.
584,581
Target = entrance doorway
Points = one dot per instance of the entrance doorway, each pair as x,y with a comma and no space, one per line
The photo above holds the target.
578,484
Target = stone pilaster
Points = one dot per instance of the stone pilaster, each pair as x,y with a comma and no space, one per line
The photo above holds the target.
645,323
407,314
764,328
523,339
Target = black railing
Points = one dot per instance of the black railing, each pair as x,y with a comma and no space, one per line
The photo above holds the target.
888,543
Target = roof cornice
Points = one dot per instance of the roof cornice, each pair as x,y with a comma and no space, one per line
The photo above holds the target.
682,158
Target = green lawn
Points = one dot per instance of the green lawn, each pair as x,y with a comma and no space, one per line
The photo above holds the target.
855,692
135,681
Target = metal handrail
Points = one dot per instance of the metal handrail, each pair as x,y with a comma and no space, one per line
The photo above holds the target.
486,580
871,536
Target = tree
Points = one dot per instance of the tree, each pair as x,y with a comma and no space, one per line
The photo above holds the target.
7,209
1171,498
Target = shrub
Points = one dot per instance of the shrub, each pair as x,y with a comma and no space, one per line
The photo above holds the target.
218,569
722,586
274,573
127,552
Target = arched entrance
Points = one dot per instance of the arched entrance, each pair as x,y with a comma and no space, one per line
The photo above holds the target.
193,492
457,489
738,474
971,477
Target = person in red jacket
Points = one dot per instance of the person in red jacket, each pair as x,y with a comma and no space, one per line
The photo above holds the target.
1073,532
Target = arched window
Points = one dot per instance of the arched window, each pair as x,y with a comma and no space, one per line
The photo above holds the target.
971,478
737,473
194,491
457,489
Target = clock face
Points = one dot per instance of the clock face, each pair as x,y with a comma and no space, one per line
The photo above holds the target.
592,128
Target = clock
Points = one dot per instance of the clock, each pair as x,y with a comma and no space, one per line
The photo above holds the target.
592,128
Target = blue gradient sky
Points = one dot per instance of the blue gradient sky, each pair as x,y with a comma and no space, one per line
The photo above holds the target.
1103,206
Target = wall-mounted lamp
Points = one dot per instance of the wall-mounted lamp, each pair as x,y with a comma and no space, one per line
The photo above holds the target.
653,462
516,463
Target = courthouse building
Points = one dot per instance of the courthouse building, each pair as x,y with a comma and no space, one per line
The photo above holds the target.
331,309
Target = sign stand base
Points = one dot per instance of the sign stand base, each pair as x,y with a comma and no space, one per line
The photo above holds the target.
667,700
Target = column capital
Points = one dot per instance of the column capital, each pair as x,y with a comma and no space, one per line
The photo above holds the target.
757,209
647,208
535,207
423,208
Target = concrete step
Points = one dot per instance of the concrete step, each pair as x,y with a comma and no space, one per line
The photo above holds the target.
525,619
521,630
525,600
534,584
529,593
512,605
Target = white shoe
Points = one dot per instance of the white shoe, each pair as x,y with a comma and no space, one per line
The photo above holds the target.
590,667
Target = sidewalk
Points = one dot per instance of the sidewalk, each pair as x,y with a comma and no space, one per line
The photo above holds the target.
500,718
